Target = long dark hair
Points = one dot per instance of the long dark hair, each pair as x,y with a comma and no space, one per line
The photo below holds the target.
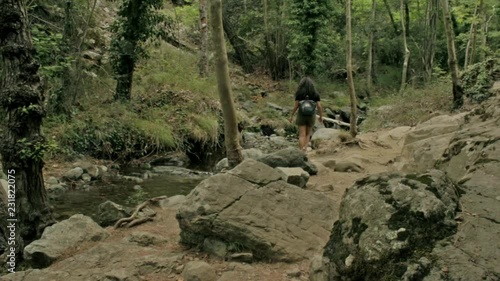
306,88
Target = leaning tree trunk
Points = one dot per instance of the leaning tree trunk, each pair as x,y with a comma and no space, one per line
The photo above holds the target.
242,53
352,92
203,63
371,39
458,99
394,25
22,143
233,148
404,75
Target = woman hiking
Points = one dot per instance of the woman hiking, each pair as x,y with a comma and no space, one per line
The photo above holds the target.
306,101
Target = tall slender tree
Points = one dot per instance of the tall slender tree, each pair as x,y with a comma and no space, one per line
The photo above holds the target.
371,43
22,145
136,23
458,99
471,43
233,148
404,75
203,62
350,81
393,22
431,20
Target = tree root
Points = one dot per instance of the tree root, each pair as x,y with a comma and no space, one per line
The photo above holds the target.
135,218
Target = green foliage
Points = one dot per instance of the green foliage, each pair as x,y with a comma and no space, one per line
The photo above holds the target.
478,79
173,69
308,19
137,22
137,197
35,149
188,15
49,52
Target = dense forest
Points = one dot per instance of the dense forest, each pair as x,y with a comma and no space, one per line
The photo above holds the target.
156,54
121,80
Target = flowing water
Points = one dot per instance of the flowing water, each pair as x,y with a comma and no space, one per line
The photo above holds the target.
121,192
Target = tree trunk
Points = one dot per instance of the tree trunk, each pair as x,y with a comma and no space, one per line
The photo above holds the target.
406,49
394,25
430,39
124,78
452,56
22,145
407,18
203,63
350,82
61,103
484,32
233,148
242,53
471,44
371,39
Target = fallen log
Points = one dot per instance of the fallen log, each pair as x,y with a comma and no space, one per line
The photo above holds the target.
340,123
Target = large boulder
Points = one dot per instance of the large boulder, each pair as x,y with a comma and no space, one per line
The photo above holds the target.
424,145
73,174
256,172
60,237
109,212
473,161
267,217
289,157
106,261
324,135
387,225
250,153
2,174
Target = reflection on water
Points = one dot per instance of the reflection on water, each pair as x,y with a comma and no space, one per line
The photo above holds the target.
86,202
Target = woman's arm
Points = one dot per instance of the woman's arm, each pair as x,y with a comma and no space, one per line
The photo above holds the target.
294,110
320,109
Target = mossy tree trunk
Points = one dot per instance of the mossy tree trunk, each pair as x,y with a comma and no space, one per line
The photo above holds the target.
458,99
124,76
233,148
350,81
22,143
137,21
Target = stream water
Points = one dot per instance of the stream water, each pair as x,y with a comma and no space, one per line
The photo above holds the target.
121,192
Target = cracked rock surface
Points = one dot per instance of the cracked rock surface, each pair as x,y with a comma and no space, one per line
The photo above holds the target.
266,216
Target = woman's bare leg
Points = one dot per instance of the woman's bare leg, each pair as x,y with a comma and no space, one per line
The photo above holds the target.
303,138
308,135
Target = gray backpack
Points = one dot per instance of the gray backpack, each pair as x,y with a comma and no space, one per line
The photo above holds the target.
307,107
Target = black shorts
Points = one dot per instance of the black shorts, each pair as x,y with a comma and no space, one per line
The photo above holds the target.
305,120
